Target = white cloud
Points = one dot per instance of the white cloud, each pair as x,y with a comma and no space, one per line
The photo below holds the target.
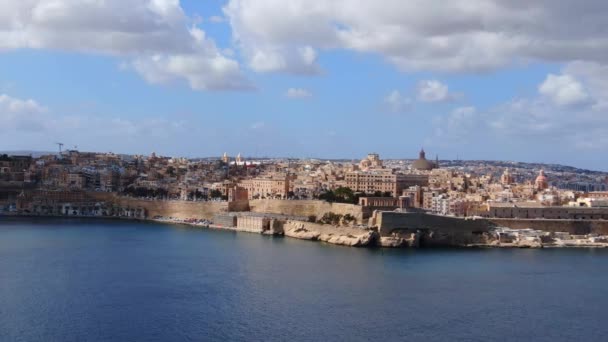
212,73
594,76
397,102
14,106
560,116
297,93
140,31
19,114
563,90
299,61
25,124
458,124
454,36
433,91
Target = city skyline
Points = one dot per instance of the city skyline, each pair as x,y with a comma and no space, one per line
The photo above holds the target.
326,80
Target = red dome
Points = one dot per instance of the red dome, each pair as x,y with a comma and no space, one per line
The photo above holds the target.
541,176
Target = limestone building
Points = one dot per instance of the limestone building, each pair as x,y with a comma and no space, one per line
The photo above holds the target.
382,180
506,178
266,187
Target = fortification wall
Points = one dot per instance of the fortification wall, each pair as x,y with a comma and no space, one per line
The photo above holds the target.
578,227
307,208
389,221
177,209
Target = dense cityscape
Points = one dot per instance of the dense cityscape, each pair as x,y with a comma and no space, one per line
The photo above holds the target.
60,184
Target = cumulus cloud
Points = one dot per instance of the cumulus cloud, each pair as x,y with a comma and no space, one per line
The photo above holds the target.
568,112
15,106
563,90
595,78
155,36
397,102
454,36
433,91
26,124
19,114
458,124
297,93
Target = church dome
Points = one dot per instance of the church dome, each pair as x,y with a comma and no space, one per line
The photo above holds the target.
422,163
541,182
541,176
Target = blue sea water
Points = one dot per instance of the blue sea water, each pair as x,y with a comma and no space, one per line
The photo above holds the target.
75,280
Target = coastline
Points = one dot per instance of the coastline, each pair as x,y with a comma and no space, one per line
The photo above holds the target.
341,236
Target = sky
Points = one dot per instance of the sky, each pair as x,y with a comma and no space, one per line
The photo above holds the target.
521,80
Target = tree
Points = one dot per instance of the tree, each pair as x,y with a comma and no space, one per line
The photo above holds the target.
340,195
348,218
344,195
215,193
328,196
331,218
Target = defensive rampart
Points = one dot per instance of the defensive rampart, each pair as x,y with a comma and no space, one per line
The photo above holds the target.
578,227
176,209
307,208
431,230
389,221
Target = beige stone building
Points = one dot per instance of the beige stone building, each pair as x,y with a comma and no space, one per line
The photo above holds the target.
383,180
266,187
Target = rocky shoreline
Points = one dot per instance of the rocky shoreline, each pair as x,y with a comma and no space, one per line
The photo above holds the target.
367,237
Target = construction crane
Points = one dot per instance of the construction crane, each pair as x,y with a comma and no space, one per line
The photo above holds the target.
60,146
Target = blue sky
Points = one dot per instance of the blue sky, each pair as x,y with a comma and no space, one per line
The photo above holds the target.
306,78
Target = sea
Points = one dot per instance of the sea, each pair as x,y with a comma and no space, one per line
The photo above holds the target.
112,280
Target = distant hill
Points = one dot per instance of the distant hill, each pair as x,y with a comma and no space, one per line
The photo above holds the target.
34,154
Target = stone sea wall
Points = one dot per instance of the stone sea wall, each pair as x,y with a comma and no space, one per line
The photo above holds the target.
206,210
389,221
577,227
398,229
307,208
176,209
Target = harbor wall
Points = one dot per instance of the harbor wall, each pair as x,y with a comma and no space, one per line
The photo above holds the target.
307,208
577,227
388,221
206,210
176,209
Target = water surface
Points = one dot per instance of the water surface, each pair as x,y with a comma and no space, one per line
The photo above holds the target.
75,280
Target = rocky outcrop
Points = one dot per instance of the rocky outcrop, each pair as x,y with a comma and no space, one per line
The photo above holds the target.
344,236
400,239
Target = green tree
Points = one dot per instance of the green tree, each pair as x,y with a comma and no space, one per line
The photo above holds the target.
331,218
348,218
215,193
